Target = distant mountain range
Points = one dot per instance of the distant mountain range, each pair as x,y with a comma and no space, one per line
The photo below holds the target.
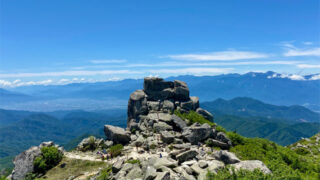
248,107
268,87
252,118
249,117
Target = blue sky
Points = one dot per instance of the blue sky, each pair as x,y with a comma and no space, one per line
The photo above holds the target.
57,42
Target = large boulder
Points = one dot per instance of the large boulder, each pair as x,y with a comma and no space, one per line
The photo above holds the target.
161,126
206,114
222,137
252,165
24,162
158,89
187,155
195,102
178,123
187,105
167,137
89,143
116,134
216,143
226,157
137,105
197,133
181,90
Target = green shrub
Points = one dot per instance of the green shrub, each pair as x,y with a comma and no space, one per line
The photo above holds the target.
170,147
30,176
235,138
133,161
153,146
50,157
91,146
229,173
220,129
116,150
302,151
104,174
2,178
193,117
283,162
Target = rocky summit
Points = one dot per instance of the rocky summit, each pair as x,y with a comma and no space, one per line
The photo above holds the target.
166,145
159,142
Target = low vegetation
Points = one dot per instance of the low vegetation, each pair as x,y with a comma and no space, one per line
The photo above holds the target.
115,150
49,158
73,167
229,173
133,161
193,117
104,173
282,161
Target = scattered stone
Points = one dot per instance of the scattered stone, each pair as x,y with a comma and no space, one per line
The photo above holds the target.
167,106
221,136
151,173
89,143
184,173
206,114
165,117
214,165
226,157
187,105
166,137
117,166
127,167
162,126
197,133
134,173
216,143
178,122
203,164
116,134
185,156
252,165
163,176
153,105
139,142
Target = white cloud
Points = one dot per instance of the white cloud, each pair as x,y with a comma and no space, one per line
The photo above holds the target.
309,66
108,61
289,76
219,56
195,71
68,73
307,43
303,52
315,77
291,50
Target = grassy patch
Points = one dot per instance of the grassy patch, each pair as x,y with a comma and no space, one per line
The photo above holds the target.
283,162
73,167
241,175
104,174
133,161
115,150
193,117
49,158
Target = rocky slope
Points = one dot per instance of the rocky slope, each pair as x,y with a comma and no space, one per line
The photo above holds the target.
157,143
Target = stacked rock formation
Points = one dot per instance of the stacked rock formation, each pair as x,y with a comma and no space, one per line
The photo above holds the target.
167,146
159,97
